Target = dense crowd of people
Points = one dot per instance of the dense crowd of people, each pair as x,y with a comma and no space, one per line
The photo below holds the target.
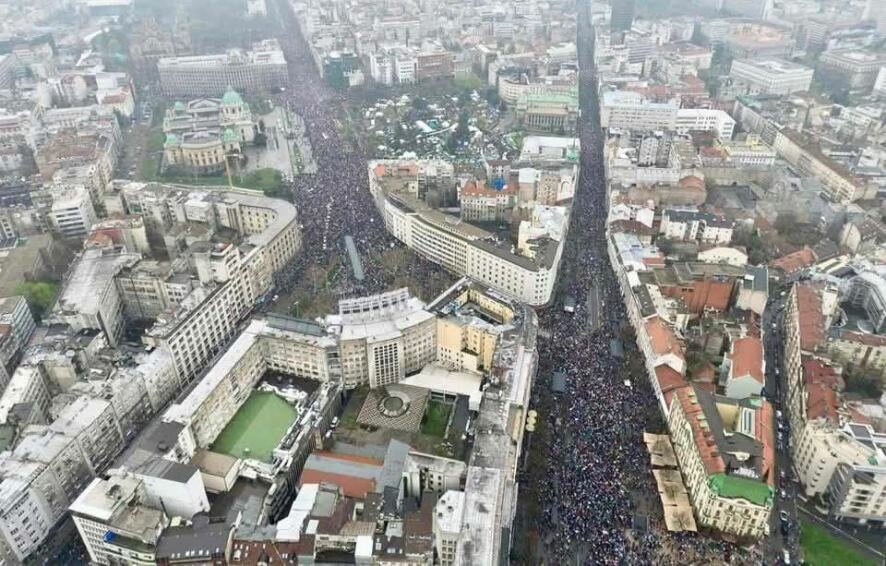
598,475
335,201
597,465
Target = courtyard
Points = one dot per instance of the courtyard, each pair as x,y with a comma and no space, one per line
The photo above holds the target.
257,427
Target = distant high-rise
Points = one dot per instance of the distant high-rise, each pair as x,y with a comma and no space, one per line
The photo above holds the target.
876,11
622,14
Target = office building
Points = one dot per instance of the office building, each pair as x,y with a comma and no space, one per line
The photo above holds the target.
622,15
627,110
72,213
115,524
704,120
771,76
259,70
853,68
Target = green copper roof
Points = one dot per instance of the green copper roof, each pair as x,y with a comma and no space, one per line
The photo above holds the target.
230,135
736,487
171,140
231,98
180,106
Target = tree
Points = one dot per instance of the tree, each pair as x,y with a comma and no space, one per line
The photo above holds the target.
39,294
261,140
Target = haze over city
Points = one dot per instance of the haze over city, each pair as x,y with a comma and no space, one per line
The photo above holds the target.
463,283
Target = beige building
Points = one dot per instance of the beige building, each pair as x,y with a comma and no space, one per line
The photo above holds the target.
860,351
201,134
724,449
203,152
838,183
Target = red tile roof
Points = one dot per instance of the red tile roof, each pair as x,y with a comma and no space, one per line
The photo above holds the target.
795,261
704,438
669,379
663,339
766,435
351,486
747,358
477,189
864,338
810,317
822,386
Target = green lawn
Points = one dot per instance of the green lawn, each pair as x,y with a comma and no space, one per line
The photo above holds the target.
149,168
265,180
821,548
436,418
258,426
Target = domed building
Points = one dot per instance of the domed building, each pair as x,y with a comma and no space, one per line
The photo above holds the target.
201,132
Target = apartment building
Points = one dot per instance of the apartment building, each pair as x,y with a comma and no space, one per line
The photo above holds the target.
26,385
859,351
838,183
38,480
465,249
115,524
89,298
72,213
771,76
210,315
867,292
16,318
259,70
691,225
94,428
724,448
448,516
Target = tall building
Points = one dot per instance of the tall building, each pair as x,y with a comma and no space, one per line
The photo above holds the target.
771,76
876,10
757,9
72,213
254,71
114,523
622,15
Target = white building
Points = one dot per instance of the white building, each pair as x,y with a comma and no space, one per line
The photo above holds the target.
72,213
688,225
465,249
632,111
704,120
258,70
725,255
448,516
15,313
89,297
771,76
115,524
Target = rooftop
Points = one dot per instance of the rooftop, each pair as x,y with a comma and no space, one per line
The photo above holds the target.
93,272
